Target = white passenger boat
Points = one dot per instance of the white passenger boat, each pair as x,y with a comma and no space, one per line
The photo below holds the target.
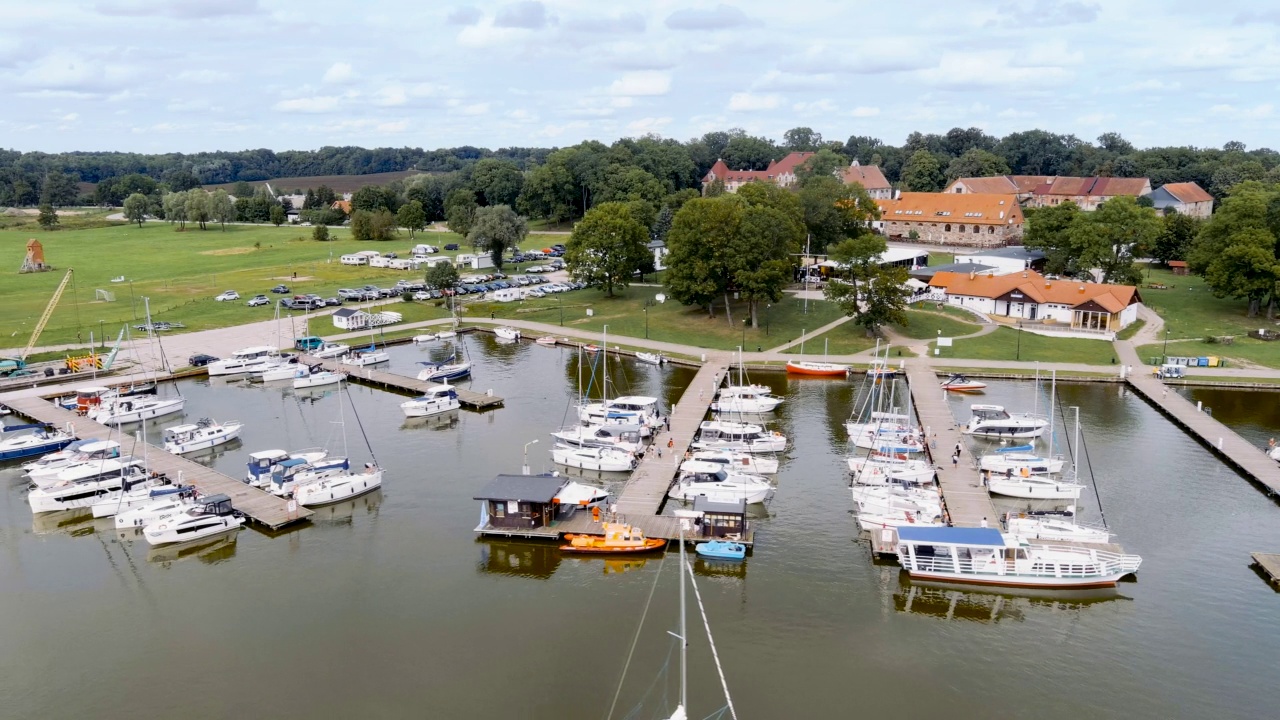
20,441
985,556
1054,527
601,459
317,378
211,515
205,434
338,487
90,451
331,350
651,358
740,437
1018,458
738,462
995,421
507,333
136,409
721,487
147,513
84,492
436,400
246,360
620,437
364,357
1040,487
145,493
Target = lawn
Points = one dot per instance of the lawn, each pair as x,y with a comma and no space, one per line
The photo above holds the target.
180,272
1191,314
929,324
1009,344
845,339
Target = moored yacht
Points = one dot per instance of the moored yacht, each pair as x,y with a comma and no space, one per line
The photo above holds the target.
995,421
292,472
65,456
264,462
183,439
881,469
90,451
721,487
330,350
1031,486
623,410
732,461
19,441
1058,527
436,400
210,515
507,333
83,493
621,437
740,437
746,400
86,470
145,493
317,377
363,357
1018,458
282,370
601,459
337,488
141,515
447,369
136,409
245,360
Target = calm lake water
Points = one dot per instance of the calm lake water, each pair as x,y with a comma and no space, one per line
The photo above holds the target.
389,606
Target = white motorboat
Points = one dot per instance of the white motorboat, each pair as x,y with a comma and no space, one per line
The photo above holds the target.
85,469
738,462
65,456
146,493
20,441
246,360
876,470
282,370
425,338
601,459
620,437
921,504
211,515
317,378
1041,487
651,358
130,410
331,350
581,495
507,333
338,487
364,357
163,507
436,400
183,439
449,369
77,452
293,472
547,341
960,383
264,462
83,493
721,487
995,421
740,437
1003,461
742,400
624,410
872,520
733,390
1054,527
985,556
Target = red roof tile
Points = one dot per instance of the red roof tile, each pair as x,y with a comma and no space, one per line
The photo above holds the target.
1188,192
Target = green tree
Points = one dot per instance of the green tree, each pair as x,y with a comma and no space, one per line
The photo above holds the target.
1236,248
1108,237
549,192
441,276
622,183
495,229
411,216
802,139
824,163
870,294
277,216
320,233
744,152
222,208
199,208
373,198
976,162
922,173
760,257
175,209
834,211
496,182
662,224
135,208
59,189
697,266
460,211
607,247
1177,231
48,218
1047,230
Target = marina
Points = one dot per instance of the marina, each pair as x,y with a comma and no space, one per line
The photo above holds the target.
400,383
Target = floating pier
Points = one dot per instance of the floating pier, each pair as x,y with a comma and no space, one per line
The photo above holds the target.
260,506
401,383
1269,563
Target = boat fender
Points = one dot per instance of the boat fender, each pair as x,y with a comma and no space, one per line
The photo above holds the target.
1025,472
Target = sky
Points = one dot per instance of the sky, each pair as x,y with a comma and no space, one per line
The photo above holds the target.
169,76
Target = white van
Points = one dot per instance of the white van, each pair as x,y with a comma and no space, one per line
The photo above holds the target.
505,295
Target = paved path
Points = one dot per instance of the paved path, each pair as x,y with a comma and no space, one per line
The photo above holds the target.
812,334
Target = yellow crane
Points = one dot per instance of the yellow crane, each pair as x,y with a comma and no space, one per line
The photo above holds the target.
44,318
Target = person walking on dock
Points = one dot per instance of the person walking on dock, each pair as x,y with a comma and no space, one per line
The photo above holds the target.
955,461
957,448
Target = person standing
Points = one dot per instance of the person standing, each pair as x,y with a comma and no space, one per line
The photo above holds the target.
958,447
955,461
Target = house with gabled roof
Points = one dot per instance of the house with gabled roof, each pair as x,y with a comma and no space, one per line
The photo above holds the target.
1020,185
1038,302
783,174
870,178
1087,192
1185,198
969,219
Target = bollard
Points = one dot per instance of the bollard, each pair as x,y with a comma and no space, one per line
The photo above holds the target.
1219,443
489,392
1199,406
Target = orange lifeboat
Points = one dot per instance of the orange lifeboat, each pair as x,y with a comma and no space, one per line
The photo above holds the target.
617,538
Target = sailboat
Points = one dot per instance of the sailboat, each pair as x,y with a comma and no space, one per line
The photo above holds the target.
337,488
622,410
361,357
120,410
745,398
449,368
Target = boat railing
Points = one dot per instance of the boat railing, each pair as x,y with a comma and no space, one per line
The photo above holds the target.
1085,564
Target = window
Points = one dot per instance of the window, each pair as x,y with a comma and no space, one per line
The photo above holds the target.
976,229
991,230
499,508
961,228
946,228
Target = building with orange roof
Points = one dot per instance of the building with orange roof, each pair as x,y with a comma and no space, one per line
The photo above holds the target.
783,174
1087,192
1020,185
1032,299
343,205
969,219
1185,198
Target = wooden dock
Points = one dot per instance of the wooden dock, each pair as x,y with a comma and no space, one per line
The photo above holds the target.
260,506
1250,460
401,383
965,498
647,488
1269,563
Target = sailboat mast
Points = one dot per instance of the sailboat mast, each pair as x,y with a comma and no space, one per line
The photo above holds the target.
1075,458
684,634
1053,397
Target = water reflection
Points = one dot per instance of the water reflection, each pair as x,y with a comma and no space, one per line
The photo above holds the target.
210,551
71,522
443,421
518,559
344,513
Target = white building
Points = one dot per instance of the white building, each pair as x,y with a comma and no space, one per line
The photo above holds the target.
1029,298
1005,260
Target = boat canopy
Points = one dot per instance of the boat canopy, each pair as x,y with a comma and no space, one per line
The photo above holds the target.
1017,449
268,454
36,426
92,446
990,537
292,462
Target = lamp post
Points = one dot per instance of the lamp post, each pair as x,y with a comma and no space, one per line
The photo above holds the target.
132,302
524,469
744,334
766,318
1165,353
560,299
1018,352
102,338
646,319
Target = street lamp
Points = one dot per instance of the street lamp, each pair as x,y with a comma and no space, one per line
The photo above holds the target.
1019,350
560,299
132,302
1165,352
766,318
744,334
524,469
102,338
646,319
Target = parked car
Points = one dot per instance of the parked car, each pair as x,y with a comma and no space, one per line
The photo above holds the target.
333,301
451,246
391,255
558,264
281,290
559,247
228,295
257,300
421,296
200,360
349,294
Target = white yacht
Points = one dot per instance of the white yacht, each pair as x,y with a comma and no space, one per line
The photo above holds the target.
136,409
581,495
507,333
873,520
86,451
292,472
20,441
83,493
337,488
63,456
211,515
985,556
1055,527
994,421
246,360
721,487
594,458
264,462
88,469
740,462
621,437
745,400
436,400
1041,487
183,439
909,505
363,357
317,378
1021,457
282,370
330,350
740,437
146,493
880,470
142,515
624,410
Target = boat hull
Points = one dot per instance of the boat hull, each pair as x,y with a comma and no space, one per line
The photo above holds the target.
649,545
150,411
337,489
35,449
719,550
817,369
169,530
1046,491
1104,581
319,379
415,408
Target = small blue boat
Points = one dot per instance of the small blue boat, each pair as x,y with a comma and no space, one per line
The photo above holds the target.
20,441
722,550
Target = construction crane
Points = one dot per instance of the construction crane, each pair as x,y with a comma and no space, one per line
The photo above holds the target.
20,362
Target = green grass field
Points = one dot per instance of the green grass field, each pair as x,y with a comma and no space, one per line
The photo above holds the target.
1005,344
180,272
929,324
1192,314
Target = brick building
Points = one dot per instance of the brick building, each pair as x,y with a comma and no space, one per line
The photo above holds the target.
968,219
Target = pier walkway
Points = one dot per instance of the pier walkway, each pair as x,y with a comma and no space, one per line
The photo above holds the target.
1248,459
645,491
261,506
402,383
966,500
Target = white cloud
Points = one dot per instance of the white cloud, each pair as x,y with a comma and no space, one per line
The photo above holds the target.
1152,84
865,111
473,109
528,14
645,126
721,17
464,16
1094,119
317,104
647,82
395,126
622,101
991,68
70,117
1015,113
824,106
1257,112
339,73
415,94
187,9
750,102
